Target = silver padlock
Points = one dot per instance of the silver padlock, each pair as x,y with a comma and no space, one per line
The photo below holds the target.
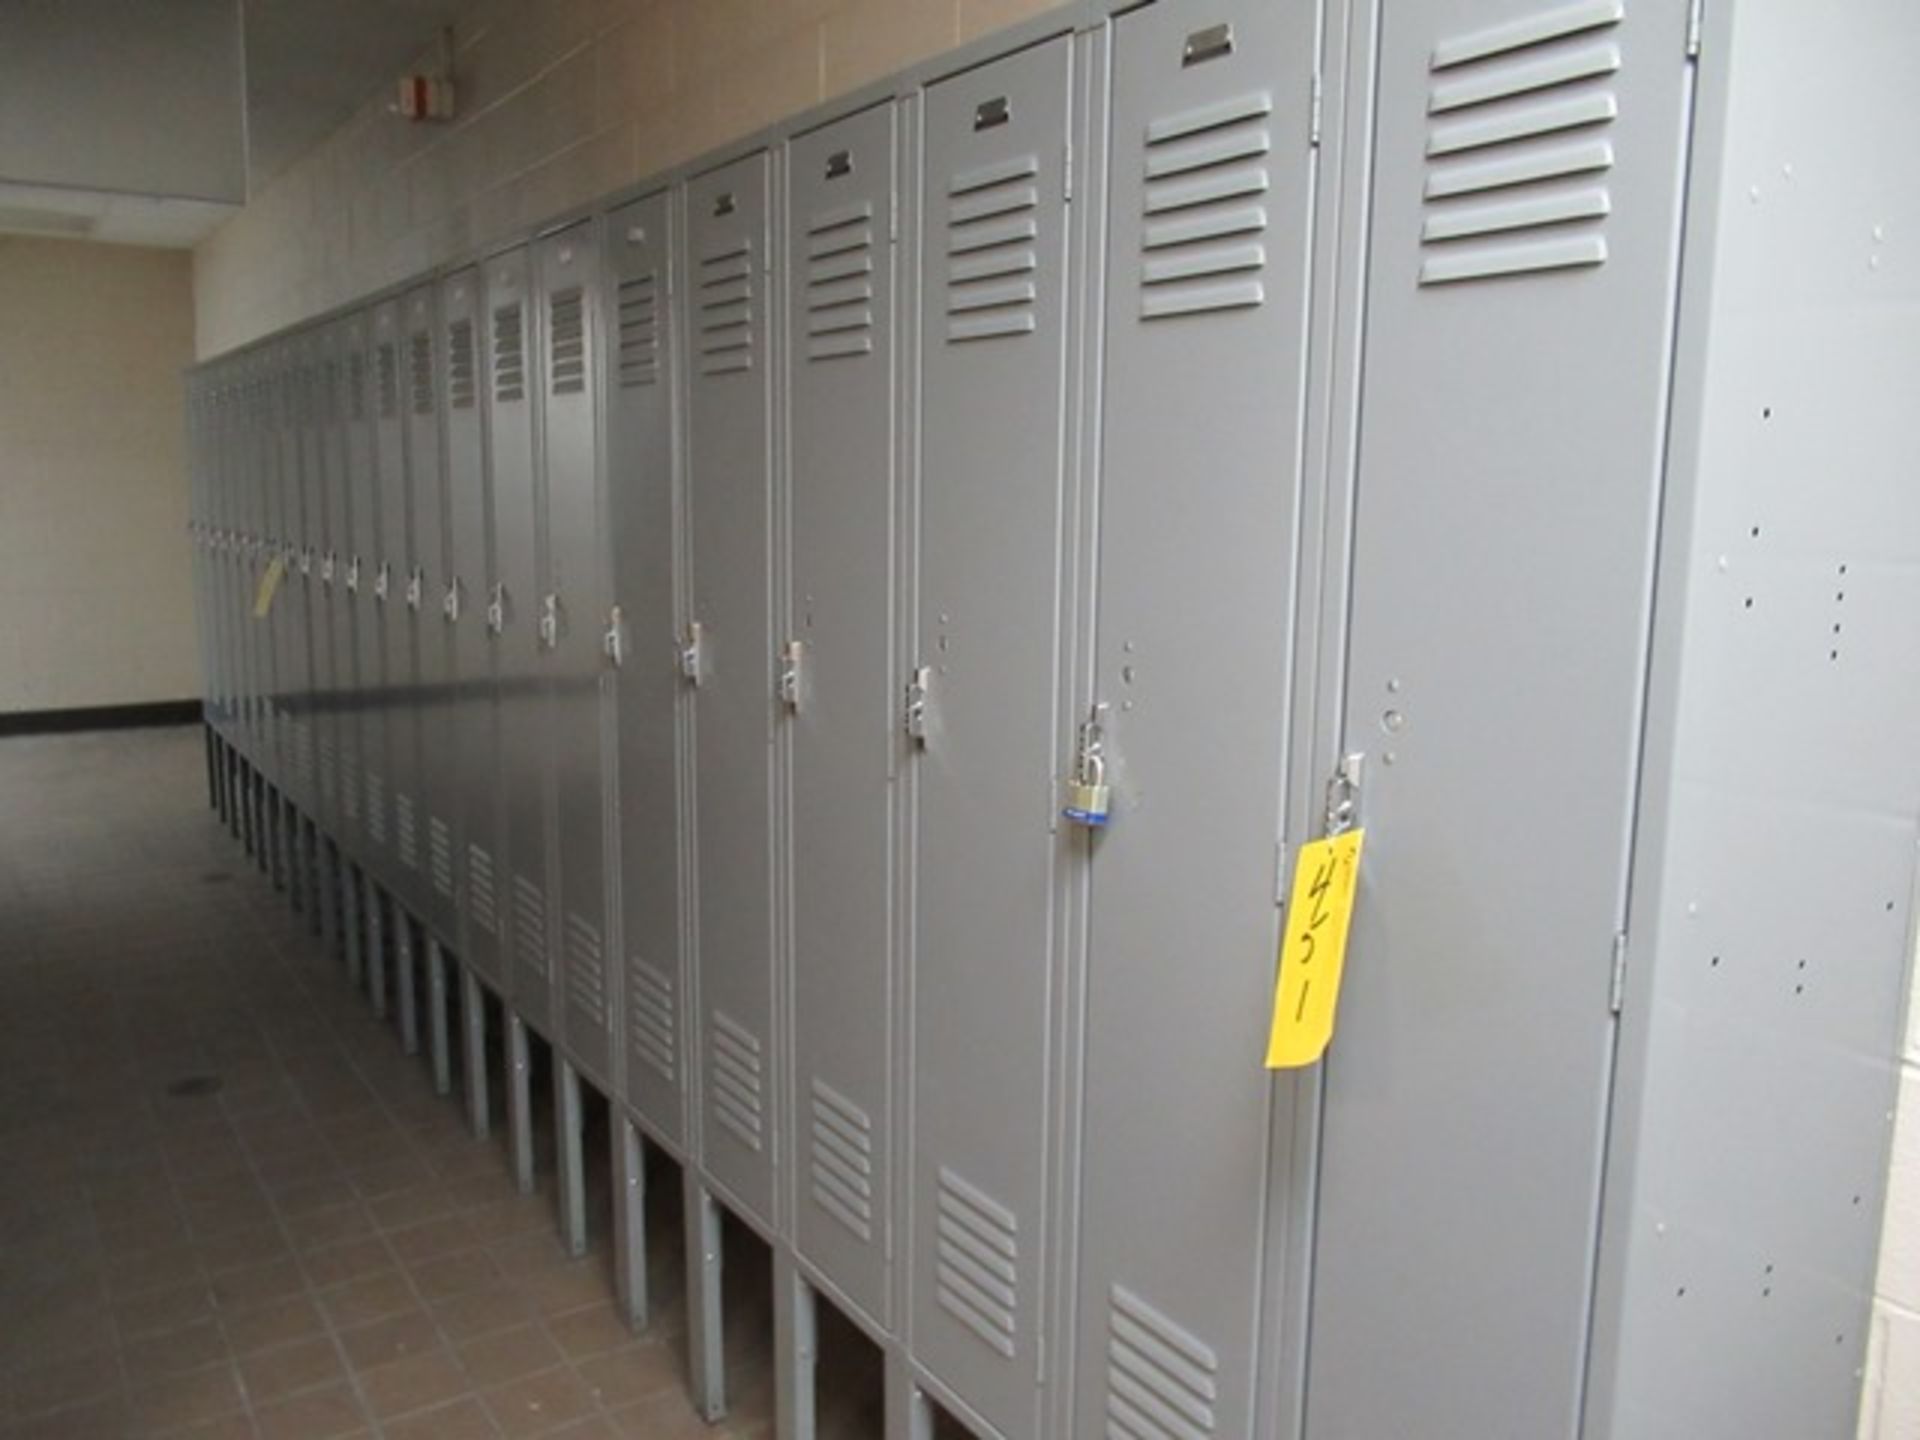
1088,795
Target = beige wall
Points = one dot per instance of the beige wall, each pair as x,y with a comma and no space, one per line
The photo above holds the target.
559,101
96,597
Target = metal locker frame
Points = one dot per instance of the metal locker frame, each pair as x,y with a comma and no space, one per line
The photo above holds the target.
372,378
393,564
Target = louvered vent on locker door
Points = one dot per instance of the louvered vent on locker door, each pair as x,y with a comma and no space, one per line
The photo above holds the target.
726,310
356,388
993,256
639,302
734,1079
839,289
406,831
1519,145
977,1261
460,386
1162,1383
586,969
440,856
509,355
1204,196
567,342
376,808
842,1160
329,764
651,1019
387,374
482,905
420,372
530,924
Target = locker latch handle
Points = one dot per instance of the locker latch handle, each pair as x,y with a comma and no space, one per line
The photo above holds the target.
416,587
689,652
450,602
1343,793
614,642
916,709
787,686
382,582
497,610
353,576
327,562
548,626
306,561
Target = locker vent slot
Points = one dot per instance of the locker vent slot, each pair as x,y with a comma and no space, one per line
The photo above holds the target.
839,291
651,1023
356,387
303,753
420,372
726,310
509,355
639,331
440,856
1204,189
733,1079
1518,146
1162,1383
329,764
530,925
842,1160
481,905
387,372
349,783
976,1261
376,807
992,252
567,342
460,387
586,970
406,831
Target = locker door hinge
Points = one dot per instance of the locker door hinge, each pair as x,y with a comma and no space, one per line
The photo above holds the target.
1696,20
914,717
1279,873
787,681
1343,793
1314,106
1066,172
614,642
688,652
893,215
1617,982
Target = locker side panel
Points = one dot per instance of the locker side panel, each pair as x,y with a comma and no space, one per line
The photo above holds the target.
727,280
993,337
384,592
480,876
841,713
569,281
639,385
1210,193
518,526
1519,314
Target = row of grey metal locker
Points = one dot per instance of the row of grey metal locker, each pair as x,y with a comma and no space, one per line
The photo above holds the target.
698,617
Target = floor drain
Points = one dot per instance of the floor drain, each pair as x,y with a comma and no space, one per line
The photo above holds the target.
193,1085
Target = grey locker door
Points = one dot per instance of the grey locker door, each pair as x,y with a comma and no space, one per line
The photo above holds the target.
479,870
841,722
311,382
363,551
431,637
993,414
272,536
1520,300
518,526
246,520
639,386
569,288
294,596
341,658
730,505
1209,192
383,593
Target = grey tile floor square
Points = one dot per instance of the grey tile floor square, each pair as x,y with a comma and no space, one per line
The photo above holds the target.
315,1249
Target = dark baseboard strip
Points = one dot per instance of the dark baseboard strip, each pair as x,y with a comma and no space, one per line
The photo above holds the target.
100,717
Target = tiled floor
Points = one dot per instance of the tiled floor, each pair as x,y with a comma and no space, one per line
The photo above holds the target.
317,1249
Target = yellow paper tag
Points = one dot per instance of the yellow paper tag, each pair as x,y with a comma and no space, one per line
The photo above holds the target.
1314,950
270,579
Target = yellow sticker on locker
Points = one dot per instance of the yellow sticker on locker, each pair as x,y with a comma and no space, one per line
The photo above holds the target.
1314,951
270,579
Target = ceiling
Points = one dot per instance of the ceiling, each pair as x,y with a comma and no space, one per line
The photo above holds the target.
307,66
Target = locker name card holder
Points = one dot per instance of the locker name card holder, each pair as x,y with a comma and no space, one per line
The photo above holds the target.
1313,947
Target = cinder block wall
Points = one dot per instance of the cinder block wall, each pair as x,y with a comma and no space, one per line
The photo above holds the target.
558,101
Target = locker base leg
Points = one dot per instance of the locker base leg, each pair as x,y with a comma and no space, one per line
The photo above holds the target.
706,1357
519,1104
262,833
232,792
473,1053
909,1412
350,923
571,1164
404,979
293,828
213,766
246,816
630,1220
375,901
437,1017
276,840
316,884
796,1349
